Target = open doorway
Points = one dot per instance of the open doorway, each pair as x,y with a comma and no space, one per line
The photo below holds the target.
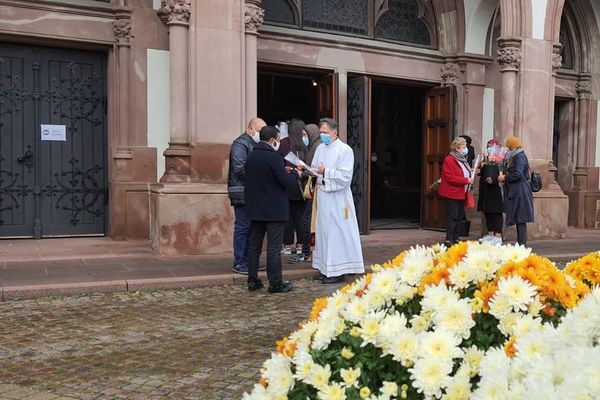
396,156
288,92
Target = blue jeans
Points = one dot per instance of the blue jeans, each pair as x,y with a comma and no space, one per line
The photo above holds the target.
241,233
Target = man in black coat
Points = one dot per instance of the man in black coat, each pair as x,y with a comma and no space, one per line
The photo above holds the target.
240,149
267,180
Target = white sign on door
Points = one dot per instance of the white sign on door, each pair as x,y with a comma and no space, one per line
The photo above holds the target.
54,132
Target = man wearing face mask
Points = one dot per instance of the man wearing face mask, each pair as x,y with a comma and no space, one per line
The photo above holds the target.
267,181
240,149
337,242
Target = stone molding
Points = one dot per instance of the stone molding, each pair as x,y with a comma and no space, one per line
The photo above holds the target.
175,12
450,73
122,30
509,58
583,89
254,17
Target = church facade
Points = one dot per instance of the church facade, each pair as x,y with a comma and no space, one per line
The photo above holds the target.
116,117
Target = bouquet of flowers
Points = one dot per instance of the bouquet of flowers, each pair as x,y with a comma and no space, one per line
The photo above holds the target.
587,268
496,154
420,325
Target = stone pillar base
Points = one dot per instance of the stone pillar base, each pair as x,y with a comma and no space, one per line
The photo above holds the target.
177,164
583,208
190,218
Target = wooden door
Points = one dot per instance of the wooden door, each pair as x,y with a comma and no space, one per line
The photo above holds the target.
359,138
327,96
437,133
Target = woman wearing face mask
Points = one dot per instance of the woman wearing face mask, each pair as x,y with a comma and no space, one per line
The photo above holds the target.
457,177
295,195
490,200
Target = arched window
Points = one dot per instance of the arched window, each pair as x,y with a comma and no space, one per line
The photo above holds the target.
279,11
567,45
350,16
401,23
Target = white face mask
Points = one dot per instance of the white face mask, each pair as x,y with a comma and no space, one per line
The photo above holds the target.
275,146
374,158
255,137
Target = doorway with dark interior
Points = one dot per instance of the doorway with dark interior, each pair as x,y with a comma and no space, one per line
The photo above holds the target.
396,156
286,92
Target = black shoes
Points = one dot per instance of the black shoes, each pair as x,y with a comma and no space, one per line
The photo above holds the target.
281,287
319,277
255,285
333,279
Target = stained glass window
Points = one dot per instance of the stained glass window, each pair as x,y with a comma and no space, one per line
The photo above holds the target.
349,16
401,23
279,11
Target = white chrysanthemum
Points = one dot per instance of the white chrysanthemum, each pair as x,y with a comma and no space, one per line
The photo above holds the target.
462,275
375,301
258,393
484,261
356,310
515,254
390,326
278,374
319,376
384,283
525,324
369,328
518,292
389,389
473,357
439,344
335,391
429,374
404,346
458,387
417,262
500,306
438,296
455,317
419,323
304,365
326,332
350,376
338,301
404,293
536,306
530,346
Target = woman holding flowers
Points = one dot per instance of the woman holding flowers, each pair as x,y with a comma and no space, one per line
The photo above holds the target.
519,198
457,176
490,200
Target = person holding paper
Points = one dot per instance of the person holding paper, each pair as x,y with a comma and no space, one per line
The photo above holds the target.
337,242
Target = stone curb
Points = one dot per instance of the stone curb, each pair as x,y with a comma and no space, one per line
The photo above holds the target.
135,285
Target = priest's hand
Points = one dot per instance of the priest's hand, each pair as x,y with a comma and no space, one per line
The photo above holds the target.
321,169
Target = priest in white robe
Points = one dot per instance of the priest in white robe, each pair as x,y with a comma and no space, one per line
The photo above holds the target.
337,241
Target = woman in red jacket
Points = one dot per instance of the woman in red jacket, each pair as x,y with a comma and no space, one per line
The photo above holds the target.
457,175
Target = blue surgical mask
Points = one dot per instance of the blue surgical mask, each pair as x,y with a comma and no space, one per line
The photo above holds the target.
326,138
305,141
465,151
490,151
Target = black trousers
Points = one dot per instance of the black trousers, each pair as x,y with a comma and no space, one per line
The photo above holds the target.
274,232
522,234
306,218
494,222
294,223
455,212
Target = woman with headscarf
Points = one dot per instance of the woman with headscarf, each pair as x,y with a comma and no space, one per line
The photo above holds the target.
519,198
295,196
312,141
457,177
490,200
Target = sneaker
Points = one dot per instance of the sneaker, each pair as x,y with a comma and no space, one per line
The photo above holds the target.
486,239
287,251
281,287
495,240
240,269
299,250
300,257
255,285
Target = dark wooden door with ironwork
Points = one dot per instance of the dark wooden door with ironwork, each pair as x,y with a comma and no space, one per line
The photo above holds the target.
359,127
52,181
437,133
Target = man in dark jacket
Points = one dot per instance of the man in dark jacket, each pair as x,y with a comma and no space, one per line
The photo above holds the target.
240,149
267,180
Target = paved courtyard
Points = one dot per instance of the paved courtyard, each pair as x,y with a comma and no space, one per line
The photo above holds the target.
206,343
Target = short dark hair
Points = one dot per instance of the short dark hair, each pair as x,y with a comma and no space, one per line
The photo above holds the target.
467,138
331,122
268,132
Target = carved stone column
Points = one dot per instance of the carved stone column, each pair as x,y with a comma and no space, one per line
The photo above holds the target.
122,31
584,91
509,59
253,18
176,15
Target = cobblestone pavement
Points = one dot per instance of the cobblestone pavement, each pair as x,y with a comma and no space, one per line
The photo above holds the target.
206,343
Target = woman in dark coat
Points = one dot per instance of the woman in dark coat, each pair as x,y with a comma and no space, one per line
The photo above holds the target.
295,196
519,198
457,176
490,200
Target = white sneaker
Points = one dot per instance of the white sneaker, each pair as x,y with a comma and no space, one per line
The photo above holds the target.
286,251
496,241
486,239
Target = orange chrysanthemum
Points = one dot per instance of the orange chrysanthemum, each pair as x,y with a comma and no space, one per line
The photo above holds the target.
264,383
485,294
319,304
509,348
455,254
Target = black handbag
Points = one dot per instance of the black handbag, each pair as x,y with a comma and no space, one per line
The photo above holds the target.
536,182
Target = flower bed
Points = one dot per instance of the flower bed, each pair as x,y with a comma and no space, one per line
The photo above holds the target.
420,325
